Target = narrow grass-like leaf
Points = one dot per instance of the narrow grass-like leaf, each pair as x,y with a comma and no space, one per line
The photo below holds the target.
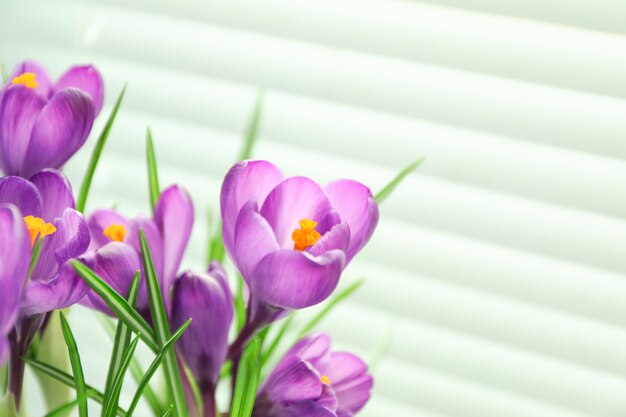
63,410
331,304
153,174
252,129
5,73
118,381
117,304
156,363
162,330
248,376
95,155
135,368
121,342
168,411
240,305
77,367
267,353
386,191
34,257
68,380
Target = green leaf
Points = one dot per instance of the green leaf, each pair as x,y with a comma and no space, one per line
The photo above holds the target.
331,304
68,380
34,257
135,368
153,175
118,381
77,368
386,191
168,411
156,363
62,410
7,406
162,329
5,73
252,129
267,353
52,350
120,344
117,304
248,376
95,155
240,305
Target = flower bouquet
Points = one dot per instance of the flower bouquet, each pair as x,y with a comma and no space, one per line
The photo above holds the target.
289,239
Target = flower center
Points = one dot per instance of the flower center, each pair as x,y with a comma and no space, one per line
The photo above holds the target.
37,227
115,232
325,380
28,79
306,235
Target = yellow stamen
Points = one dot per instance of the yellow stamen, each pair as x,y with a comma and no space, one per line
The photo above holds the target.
305,236
28,79
37,227
325,380
115,232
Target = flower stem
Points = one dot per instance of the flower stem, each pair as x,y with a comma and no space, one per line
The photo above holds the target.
16,368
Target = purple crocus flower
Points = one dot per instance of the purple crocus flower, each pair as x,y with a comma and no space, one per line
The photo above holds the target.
43,124
115,253
290,237
206,298
46,202
14,261
313,381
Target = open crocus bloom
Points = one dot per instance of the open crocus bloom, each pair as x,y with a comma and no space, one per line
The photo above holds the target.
290,237
313,381
43,124
46,203
14,261
115,252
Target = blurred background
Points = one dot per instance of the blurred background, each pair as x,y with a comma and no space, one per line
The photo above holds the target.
496,280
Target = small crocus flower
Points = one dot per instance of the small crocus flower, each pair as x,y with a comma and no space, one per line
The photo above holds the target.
313,381
58,232
290,237
115,252
14,261
206,298
42,124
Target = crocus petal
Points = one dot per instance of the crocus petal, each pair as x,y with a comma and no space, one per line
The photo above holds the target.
70,240
66,289
155,244
354,395
23,194
207,300
344,366
245,181
116,263
99,221
14,263
56,193
41,76
293,380
254,239
20,108
292,279
314,348
328,399
85,78
174,216
289,202
349,379
357,207
336,238
60,130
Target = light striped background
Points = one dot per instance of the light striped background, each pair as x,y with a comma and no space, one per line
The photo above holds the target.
496,282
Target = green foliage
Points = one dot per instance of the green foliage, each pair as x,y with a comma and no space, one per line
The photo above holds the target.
252,129
240,304
95,156
162,330
77,368
248,375
153,174
388,189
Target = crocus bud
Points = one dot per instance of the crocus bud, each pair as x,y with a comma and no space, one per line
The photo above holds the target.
313,381
206,299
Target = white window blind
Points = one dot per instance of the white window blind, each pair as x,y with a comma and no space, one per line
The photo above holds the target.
496,280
